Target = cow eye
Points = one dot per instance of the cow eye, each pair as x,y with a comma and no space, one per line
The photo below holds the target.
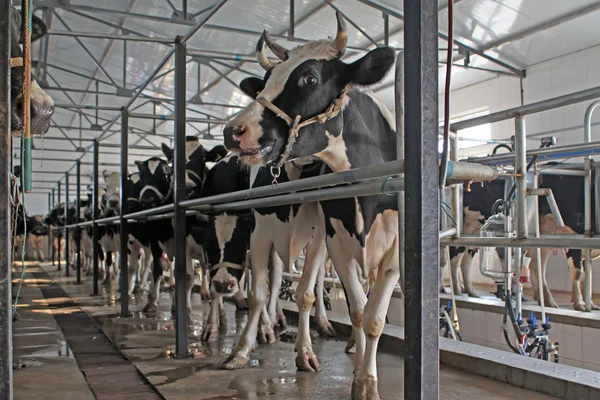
310,80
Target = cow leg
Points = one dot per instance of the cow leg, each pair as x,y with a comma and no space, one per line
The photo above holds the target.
306,360
211,326
365,386
346,268
275,277
455,263
157,274
189,282
324,327
257,299
133,260
205,288
574,260
107,268
147,268
240,300
465,267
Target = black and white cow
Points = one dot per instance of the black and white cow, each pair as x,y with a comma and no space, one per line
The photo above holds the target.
42,105
110,235
569,194
361,233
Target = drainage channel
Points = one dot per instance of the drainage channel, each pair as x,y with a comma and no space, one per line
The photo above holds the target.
108,373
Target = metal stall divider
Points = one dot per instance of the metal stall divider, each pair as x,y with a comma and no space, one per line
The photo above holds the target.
95,215
77,214
6,351
66,231
421,350
124,235
59,235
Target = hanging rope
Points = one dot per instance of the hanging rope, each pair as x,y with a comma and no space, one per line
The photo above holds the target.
26,164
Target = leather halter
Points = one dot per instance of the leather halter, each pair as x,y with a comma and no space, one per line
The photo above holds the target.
295,125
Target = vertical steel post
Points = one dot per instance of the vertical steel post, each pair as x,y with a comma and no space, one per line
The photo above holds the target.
421,300
455,189
51,231
521,170
538,254
6,376
49,201
124,235
77,220
66,231
399,101
124,64
181,345
291,32
95,216
386,29
59,238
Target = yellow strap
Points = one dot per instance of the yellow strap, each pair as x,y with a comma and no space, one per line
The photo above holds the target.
16,62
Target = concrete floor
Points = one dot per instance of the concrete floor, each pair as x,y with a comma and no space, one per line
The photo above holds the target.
147,342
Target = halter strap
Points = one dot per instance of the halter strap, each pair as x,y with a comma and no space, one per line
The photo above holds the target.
295,125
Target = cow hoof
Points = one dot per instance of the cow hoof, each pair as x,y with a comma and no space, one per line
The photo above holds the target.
308,362
280,320
365,389
266,335
579,306
595,307
150,308
223,316
209,333
138,290
473,295
325,329
351,345
205,296
235,362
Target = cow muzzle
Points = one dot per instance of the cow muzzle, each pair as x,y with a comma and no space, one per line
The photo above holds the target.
41,115
225,287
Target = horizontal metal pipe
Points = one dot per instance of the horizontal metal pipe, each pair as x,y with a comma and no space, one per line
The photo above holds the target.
544,105
130,38
87,107
561,171
376,186
545,241
464,171
571,150
447,233
170,118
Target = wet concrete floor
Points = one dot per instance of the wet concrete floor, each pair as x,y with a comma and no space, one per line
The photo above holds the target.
148,340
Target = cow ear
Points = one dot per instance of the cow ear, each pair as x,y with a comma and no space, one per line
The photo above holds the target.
105,174
371,68
38,28
252,86
168,152
216,153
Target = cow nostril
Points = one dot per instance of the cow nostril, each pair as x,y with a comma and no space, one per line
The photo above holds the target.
239,130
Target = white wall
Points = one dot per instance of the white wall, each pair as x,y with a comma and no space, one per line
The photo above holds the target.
567,74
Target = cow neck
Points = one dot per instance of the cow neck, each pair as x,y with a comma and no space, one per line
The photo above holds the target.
295,125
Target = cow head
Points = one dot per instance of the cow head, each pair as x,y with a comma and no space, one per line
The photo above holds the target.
36,226
195,166
226,245
42,105
307,81
113,191
155,177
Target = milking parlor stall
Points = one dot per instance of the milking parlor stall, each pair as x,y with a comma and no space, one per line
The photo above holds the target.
299,199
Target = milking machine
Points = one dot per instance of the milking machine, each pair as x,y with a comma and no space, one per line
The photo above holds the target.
531,338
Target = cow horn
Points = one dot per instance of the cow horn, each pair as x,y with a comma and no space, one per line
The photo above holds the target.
276,48
341,39
261,55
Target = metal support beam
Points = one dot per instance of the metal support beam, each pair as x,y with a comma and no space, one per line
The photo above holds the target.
6,350
181,343
125,38
291,33
95,216
521,170
421,352
124,232
77,213
87,51
66,231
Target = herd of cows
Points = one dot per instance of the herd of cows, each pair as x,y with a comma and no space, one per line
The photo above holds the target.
309,116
